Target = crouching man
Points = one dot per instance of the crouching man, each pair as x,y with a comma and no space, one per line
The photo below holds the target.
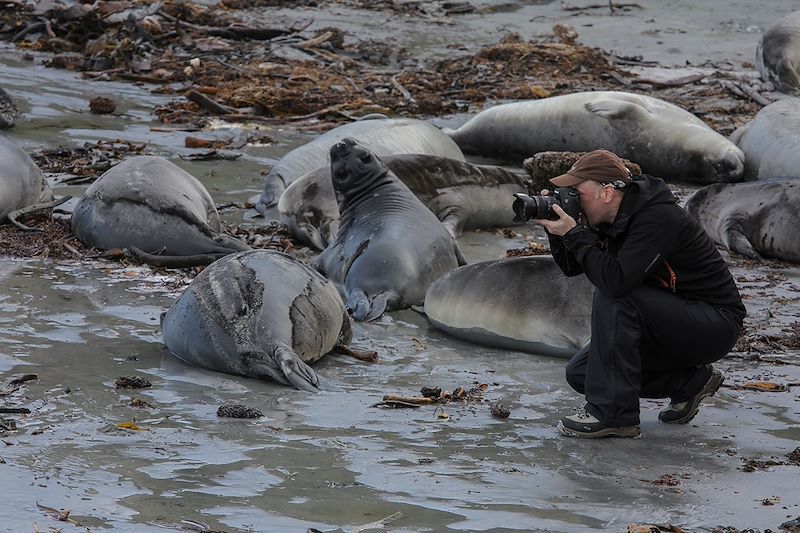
665,304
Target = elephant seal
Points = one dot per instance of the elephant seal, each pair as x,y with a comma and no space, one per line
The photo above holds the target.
755,219
778,54
8,111
149,203
771,141
260,314
383,136
22,184
663,139
389,247
462,195
524,303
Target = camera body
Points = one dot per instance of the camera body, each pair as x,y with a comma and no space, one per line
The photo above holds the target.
541,207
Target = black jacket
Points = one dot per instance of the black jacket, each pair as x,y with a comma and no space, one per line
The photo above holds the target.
653,242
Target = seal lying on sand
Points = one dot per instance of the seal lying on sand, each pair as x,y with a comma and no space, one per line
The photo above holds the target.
22,184
382,135
524,303
755,219
771,141
778,54
462,195
390,247
8,111
260,314
148,203
663,139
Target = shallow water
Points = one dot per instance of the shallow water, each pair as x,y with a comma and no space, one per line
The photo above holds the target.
331,460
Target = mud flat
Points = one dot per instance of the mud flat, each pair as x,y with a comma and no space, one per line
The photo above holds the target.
159,458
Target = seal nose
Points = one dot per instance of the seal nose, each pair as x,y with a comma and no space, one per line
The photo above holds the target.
342,148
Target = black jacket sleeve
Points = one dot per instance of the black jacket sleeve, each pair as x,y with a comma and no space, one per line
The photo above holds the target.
563,257
651,237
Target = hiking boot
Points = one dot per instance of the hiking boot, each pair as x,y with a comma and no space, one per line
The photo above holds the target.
586,426
684,412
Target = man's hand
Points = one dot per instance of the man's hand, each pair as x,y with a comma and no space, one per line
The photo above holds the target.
561,226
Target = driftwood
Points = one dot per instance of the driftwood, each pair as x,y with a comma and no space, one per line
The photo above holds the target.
367,357
743,91
209,104
674,82
14,385
610,5
230,32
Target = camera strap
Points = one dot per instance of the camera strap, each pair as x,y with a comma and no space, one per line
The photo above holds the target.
673,279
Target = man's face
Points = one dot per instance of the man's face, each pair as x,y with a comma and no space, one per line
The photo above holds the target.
594,202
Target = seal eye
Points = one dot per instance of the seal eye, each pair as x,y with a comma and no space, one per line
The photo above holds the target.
366,157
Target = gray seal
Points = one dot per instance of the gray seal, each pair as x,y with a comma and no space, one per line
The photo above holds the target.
22,184
771,141
523,303
389,247
383,136
662,138
260,314
148,203
755,219
462,195
778,54
8,111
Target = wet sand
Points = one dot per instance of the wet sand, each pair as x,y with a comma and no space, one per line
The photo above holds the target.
331,460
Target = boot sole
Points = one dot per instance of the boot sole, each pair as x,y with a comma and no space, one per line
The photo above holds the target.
623,432
711,387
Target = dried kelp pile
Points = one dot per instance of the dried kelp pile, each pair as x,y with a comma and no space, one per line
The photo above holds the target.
219,64
87,162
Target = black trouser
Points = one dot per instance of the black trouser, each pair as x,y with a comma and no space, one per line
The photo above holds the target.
649,344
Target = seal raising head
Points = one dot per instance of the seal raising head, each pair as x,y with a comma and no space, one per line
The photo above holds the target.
373,262
354,169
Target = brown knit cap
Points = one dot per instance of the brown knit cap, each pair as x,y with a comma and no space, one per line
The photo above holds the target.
600,165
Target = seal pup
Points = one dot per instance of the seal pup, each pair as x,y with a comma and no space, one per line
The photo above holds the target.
754,219
382,135
22,184
778,54
148,203
523,303
462,195
663,139
260,314
771,141
389,247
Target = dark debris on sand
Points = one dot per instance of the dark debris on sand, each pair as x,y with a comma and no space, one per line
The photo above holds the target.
326,76
237,410
132,382
84,163
55,241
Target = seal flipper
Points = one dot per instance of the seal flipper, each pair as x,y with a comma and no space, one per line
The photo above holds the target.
314,236
365,309
283,365
175,261
459,256
737,241
615,109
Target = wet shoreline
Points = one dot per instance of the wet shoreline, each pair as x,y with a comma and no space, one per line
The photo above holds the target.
331,460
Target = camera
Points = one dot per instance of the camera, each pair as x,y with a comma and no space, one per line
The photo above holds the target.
541,207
